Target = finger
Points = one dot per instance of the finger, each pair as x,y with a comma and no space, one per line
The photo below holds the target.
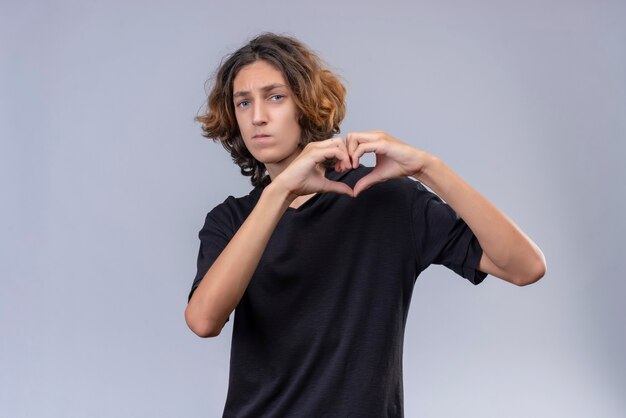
335,141
367,135
325,152
340,143
351,143
340,164
354,139
376,147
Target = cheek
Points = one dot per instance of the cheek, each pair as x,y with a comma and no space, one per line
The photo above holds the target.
291,120
241,126
238,119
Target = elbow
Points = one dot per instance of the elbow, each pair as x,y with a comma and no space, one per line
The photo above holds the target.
536,273
201,327
206,331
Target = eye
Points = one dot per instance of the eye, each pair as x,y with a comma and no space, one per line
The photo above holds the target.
243,102
277,95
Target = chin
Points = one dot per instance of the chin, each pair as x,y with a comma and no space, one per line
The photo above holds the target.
270,157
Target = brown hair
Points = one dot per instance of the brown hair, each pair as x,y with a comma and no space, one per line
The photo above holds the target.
318,94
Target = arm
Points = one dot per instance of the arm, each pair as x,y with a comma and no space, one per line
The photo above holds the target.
224,283
507,252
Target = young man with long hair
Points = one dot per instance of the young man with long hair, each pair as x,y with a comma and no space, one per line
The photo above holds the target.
319,260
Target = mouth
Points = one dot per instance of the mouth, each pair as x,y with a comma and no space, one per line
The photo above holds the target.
260,136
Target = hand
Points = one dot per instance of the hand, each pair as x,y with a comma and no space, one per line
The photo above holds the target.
304,176
394,158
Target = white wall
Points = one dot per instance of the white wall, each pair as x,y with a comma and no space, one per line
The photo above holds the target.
106,181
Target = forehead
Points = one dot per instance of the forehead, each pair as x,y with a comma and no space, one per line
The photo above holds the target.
256,75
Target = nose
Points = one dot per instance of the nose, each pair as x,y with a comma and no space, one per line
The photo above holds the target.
259,113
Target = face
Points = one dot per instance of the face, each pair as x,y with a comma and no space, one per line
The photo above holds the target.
266,115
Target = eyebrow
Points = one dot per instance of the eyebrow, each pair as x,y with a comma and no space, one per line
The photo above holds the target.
264,89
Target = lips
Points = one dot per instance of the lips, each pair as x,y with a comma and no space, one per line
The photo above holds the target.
261,138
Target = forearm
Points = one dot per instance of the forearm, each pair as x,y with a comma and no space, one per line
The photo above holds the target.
501,240
223,285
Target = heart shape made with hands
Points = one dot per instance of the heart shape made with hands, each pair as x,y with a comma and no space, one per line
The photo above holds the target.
394,158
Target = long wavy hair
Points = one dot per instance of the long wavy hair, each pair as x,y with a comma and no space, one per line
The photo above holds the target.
318,94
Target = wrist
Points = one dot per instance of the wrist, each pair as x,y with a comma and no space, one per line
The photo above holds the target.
431,164
279,193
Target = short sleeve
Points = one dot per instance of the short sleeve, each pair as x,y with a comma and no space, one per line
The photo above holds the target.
442,237
214,236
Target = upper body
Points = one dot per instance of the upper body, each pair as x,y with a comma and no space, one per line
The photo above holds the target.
319,330
275,109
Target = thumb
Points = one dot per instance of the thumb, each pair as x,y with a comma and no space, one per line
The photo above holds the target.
338,187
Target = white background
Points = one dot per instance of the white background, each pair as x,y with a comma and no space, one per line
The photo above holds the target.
106,180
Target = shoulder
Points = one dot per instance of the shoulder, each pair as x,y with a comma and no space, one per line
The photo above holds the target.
229,214
405,192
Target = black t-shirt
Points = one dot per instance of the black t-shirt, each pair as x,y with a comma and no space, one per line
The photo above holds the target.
320,329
